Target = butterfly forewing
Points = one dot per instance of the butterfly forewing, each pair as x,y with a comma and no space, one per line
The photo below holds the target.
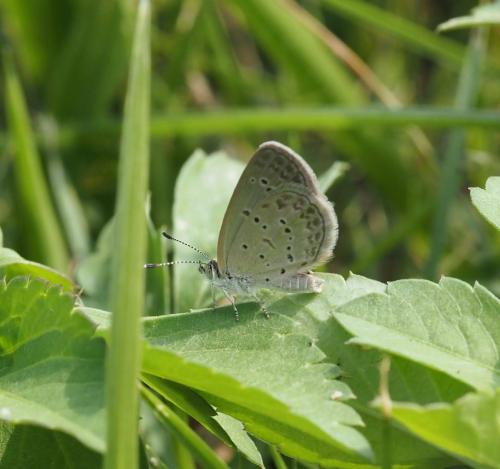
272,165
288,232
278,223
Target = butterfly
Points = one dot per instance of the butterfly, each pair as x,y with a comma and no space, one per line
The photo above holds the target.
277,227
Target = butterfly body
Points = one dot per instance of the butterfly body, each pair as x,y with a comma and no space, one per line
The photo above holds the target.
239,284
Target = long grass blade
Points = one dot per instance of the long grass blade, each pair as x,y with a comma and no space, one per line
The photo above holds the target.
454,152
127,285
45,232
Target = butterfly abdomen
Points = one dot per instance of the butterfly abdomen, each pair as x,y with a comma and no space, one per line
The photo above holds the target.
300,283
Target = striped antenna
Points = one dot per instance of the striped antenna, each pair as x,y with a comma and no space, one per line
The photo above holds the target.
204,254
164,264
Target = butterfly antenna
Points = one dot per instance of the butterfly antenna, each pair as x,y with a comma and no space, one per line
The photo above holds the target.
204,254
163,264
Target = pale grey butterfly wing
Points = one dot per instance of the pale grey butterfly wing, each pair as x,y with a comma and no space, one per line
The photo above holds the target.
287,234
278,224
272,165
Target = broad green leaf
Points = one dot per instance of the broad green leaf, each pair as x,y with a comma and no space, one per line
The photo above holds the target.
93,273
467,428
12,265
449,326
262,372
488,14
30,447
202,193
310,316
359,367
487,200
158,284
52,369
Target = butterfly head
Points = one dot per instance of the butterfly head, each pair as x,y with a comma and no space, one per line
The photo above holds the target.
210,269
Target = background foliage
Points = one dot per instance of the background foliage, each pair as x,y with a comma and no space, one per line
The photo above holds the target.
414,115
256,55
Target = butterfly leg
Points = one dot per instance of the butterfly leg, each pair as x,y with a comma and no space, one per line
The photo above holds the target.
263,307
231,300
213,295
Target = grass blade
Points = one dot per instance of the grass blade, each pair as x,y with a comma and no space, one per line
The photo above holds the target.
127,285
201,451
66,197
454,153
299,51
240,120
417,37
45,232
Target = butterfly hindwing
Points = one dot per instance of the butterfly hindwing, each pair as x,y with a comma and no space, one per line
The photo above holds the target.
271,171
285,234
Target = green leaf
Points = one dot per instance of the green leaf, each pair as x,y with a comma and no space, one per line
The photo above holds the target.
227,429
467,428
449,326
94,272
52,372
202,192
487,200
262,372
481,15
197,446
12,265
189,402
359,367
311,317
158,283
30,447
236,431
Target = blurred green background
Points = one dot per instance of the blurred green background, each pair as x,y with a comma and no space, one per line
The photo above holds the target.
368,83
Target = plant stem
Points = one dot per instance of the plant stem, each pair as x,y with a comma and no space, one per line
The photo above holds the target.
127,284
